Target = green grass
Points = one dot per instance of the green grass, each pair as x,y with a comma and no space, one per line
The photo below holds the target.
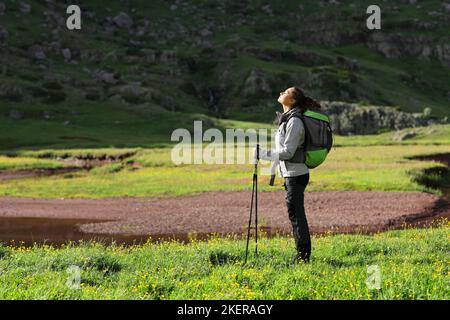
413,265
27,163
92,125
375,168
367,163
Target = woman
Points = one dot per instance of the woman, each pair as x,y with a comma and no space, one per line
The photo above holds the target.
289,138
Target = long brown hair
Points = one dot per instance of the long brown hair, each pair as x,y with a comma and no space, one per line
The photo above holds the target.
302,101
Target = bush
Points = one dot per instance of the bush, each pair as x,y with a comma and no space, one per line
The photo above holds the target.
54,97
11,93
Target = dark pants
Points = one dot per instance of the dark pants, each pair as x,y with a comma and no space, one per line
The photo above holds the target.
295,187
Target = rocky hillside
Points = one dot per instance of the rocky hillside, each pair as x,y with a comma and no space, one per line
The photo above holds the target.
226,59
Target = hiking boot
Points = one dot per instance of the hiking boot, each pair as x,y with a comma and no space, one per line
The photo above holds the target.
298,259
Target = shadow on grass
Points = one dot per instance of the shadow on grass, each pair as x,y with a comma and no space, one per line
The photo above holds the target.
436,177
220,257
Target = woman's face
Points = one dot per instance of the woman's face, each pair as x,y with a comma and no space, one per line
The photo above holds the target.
286,97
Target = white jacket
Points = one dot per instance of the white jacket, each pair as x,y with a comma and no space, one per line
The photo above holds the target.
286,143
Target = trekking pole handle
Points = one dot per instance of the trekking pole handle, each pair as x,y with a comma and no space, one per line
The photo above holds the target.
257,152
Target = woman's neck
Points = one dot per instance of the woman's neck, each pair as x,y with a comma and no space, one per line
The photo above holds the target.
286,108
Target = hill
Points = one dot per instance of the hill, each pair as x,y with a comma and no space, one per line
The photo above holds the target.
146,67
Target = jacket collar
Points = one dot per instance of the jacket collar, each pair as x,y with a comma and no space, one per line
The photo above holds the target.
282,117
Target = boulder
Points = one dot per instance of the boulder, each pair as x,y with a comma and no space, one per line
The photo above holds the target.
434,14
3,34
55,47
446,7
267,9
66,54
401,136
141,31
24,7
205,32
385,44
36,52
426,52
133,93
123,20
106,77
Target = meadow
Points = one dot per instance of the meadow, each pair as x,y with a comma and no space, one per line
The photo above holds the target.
222,62
375,162
413,263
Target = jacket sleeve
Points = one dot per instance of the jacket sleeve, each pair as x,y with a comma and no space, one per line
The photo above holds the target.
293,135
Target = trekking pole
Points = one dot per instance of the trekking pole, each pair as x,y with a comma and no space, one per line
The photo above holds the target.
254,196
256,200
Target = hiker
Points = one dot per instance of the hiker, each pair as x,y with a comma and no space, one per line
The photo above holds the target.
288,138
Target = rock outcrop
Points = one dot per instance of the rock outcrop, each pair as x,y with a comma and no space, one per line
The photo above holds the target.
351,118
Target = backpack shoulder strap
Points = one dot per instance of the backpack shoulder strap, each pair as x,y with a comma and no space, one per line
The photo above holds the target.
295,115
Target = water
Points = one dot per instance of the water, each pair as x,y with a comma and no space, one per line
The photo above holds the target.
26,231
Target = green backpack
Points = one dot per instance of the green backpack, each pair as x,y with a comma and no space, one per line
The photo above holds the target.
318,138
